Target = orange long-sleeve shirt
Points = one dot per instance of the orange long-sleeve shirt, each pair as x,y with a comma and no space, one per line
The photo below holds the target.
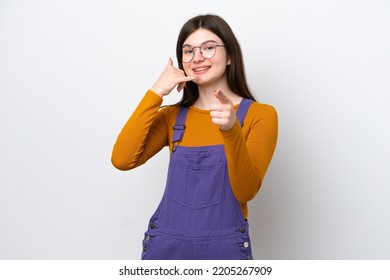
249,149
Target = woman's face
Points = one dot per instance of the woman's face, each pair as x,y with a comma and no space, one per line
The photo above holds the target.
207,70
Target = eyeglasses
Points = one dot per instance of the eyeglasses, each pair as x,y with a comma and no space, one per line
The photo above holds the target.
207,50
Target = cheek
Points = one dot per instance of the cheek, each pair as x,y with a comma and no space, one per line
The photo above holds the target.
221,69
221,60
186,69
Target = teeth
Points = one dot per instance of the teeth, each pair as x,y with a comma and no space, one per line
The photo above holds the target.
201,69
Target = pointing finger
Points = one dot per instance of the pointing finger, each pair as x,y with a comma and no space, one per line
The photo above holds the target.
223,99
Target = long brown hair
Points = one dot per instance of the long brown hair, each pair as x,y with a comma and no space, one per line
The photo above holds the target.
235,72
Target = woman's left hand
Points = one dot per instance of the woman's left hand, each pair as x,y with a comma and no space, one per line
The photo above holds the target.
222,113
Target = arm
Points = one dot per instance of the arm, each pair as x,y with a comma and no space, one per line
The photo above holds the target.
248,160
143,135
146,133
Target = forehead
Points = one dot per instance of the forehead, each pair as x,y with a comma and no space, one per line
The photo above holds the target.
201,35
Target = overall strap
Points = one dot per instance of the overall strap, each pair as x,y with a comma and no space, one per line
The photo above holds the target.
243,109
179,127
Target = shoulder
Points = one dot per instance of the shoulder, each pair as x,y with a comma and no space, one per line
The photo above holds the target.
261,110
169,109
168,113
261,115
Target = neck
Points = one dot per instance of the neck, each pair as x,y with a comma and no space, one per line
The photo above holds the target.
206,96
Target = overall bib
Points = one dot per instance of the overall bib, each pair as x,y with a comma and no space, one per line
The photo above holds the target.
199,217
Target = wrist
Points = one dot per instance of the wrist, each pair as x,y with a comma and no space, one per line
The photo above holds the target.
228,126
229,129
157,91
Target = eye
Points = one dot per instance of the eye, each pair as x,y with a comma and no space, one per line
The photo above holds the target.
187,51
208,47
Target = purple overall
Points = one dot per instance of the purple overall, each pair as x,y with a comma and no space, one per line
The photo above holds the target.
199,217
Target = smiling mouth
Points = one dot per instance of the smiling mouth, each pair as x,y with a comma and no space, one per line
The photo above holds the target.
201,69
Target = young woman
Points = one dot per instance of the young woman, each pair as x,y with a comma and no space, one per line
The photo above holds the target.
221,142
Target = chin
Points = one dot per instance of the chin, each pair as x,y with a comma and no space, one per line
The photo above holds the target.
201,81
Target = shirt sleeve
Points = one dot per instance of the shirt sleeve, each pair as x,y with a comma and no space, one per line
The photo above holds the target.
248,159
143,135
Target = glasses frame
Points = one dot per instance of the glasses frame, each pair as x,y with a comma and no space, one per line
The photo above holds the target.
200,50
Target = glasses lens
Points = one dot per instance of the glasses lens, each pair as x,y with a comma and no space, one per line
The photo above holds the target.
188,53
208,49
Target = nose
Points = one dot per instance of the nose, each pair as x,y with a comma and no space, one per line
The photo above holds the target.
197,55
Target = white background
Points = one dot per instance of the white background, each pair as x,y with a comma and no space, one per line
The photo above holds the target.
72,72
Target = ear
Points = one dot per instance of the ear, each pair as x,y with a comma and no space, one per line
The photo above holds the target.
228,61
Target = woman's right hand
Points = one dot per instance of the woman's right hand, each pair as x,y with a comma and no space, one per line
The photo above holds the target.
169,78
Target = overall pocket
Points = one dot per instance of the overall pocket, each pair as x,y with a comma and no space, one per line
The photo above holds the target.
198,185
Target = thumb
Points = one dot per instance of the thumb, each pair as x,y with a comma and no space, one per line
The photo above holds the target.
223,99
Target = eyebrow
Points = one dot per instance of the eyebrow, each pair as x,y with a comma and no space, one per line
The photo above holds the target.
188,45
